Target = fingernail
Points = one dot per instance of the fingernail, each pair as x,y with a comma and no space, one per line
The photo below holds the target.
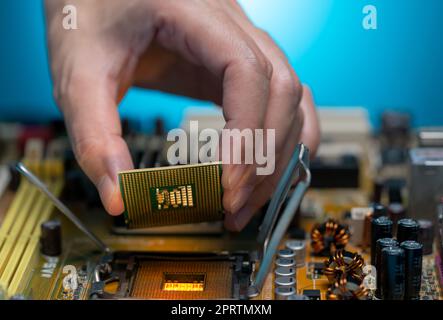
110,195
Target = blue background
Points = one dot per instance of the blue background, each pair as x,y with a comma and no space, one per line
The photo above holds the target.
399,66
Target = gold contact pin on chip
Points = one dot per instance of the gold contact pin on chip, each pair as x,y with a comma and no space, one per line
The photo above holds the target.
178,196
160,198
190,200
184,196
172,197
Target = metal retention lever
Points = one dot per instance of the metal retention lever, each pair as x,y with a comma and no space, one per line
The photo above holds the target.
60,206
269,236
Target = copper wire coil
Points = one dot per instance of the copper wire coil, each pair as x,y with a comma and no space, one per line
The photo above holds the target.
328,237
344,266
345,290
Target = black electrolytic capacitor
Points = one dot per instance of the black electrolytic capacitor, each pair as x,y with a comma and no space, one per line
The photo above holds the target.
51,238
413,268
381,228
426,235
379,210
393,273
394,193
381,244
407,229
378,191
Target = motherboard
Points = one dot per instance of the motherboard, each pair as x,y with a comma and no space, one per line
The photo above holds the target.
364,221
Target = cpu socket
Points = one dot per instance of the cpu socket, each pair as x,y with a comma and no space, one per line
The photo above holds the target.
146,276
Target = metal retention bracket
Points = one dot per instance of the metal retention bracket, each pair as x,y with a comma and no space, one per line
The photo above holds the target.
269,236
60,206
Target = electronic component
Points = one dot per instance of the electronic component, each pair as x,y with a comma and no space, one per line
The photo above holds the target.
172,195
413,269
149,269
393,273
394,137
285,262
340,172
173,276
314,270
395,187
380,245
312,294
425,182
286,253
341,161
284,272
328,237
381,228
379,210
394,155
344,266
20,229
395,128
377,191
356,223
347,291
286,281
299,248
267,260
183,282
51,238
407,229
426,235
175,279
298,297
317,268
284,293
430,137
344,124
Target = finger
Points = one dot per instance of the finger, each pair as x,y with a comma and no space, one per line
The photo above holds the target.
310,135
286,90
282,109
88,101
262,192
219,44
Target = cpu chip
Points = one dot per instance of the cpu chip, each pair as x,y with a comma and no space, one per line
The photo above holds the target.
172,195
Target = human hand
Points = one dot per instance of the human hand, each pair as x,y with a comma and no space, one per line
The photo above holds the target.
205,49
